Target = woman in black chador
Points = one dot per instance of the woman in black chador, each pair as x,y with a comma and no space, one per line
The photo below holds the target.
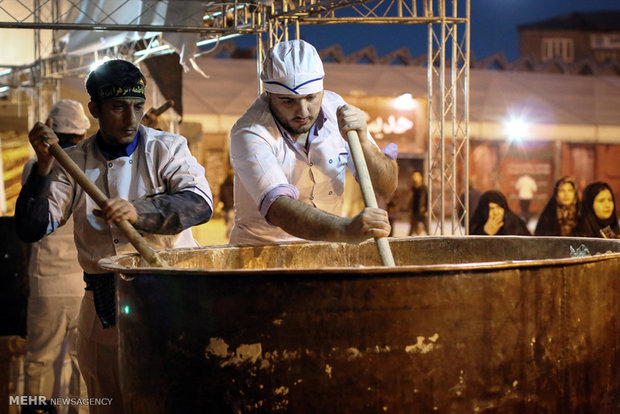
494,217
560,215
598,217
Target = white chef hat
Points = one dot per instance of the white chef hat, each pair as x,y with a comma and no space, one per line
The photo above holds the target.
68,117
293,67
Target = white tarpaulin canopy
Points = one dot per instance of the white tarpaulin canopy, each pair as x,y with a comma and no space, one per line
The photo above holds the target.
557,107
567,108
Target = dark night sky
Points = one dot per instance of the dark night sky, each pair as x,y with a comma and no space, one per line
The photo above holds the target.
493,28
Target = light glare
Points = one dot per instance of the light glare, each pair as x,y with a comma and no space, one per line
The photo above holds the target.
516,129
98,63
404,102
151,50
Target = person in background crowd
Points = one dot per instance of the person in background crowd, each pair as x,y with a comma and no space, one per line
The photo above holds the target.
559,217
494,217
526,186
289,152
419,198
227,199
392,210
152,181
474,198
598,217
56,287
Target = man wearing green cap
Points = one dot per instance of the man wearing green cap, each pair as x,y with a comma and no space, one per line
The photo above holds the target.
151,179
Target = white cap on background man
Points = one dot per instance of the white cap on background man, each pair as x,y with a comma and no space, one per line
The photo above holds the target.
68,117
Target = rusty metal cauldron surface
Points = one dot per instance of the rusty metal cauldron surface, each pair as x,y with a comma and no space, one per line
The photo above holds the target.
460,325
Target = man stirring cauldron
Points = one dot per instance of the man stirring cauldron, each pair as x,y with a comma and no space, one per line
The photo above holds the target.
151,179
289,153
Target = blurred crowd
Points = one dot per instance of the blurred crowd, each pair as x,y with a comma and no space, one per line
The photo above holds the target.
567,212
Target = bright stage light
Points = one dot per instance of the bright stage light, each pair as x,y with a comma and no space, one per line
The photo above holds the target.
516,129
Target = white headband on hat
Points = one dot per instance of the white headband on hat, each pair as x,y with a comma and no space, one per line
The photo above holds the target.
293,67
68,117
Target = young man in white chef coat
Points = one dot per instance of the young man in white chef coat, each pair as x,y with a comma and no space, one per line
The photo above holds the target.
289,153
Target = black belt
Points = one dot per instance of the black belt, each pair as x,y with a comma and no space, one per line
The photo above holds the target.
102,285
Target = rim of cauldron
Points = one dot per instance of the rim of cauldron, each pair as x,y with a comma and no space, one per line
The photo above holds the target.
112,263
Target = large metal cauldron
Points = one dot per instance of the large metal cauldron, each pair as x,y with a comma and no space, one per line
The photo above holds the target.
460,325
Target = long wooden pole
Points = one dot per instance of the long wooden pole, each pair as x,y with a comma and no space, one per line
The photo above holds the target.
97,195
163,107
368,193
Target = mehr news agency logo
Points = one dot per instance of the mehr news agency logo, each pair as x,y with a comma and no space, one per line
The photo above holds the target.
40,400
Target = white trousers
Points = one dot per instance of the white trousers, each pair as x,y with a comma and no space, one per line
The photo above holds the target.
98,358
52,331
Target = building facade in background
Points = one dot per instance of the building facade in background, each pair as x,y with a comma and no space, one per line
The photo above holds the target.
573,37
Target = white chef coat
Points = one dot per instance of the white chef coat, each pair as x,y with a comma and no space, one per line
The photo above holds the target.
264,157
161,164
53,268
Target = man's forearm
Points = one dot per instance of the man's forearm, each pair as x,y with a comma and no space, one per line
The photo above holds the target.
305,221
31,209
171,214
382,169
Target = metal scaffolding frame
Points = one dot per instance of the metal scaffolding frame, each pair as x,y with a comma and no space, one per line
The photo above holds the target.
220,17
448,122
220,20
448,58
